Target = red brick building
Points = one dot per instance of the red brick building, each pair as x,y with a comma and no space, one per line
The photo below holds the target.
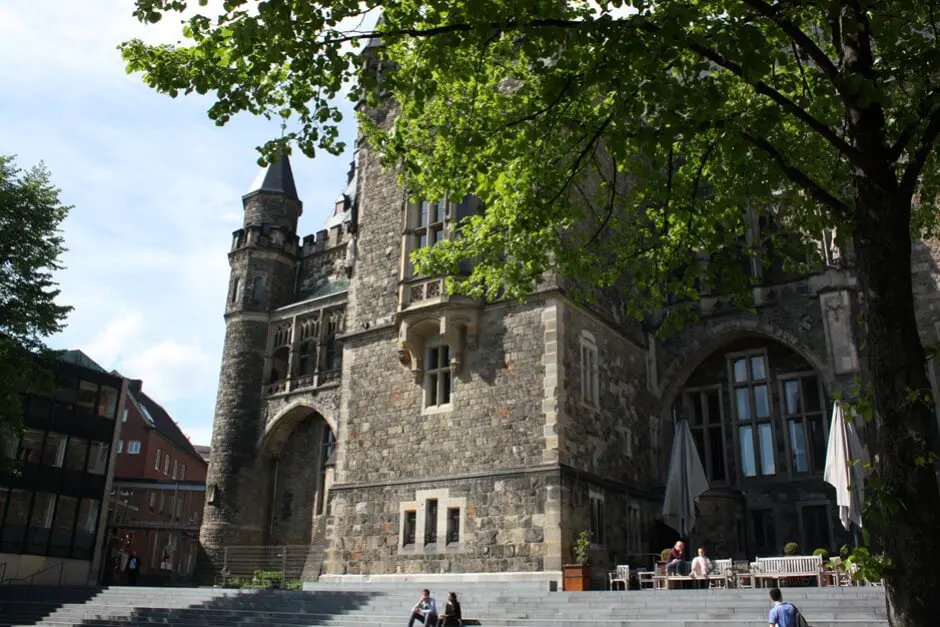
159,490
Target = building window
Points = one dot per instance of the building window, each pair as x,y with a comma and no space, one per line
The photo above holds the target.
597,519
437,382
633,534
753,413
306,358
429,223
41,523
590,387
815,519
183,472
212,494
133,447
30,449
120,447
54,450
453,525
410,524
257,290
175,468
430,522
76,457
156,463
628,441
166,464
98,458
703,408
162,500
124,415
153,499
765,535
806,420
234,297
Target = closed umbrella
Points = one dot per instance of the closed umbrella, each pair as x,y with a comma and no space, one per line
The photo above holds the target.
841,473
686,481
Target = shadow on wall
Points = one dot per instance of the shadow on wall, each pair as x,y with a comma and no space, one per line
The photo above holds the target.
235,607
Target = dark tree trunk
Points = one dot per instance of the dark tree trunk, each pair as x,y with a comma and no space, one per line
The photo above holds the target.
906,521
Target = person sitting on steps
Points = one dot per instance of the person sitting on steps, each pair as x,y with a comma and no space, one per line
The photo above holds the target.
451,616
424,611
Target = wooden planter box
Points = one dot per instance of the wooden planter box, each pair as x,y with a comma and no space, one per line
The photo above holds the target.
576,578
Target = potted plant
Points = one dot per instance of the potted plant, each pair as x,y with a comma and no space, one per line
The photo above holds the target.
577,576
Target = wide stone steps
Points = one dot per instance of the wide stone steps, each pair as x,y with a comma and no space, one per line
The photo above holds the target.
493,604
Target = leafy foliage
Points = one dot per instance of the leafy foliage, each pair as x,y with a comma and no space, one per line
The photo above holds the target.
582,548
662,148
30,246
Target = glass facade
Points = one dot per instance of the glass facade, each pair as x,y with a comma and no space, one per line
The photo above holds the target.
50,495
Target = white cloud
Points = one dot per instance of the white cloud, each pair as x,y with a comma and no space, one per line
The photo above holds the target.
156,189
107,346
172,370
199,435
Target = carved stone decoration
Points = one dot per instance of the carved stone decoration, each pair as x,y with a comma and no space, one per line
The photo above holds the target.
351,253
455,325
837,318
404,357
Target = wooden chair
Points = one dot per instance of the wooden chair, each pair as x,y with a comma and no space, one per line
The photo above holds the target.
619,576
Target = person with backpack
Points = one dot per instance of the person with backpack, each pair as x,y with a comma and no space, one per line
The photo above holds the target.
783,613
133,569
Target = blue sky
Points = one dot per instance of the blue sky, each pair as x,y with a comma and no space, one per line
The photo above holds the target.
156,189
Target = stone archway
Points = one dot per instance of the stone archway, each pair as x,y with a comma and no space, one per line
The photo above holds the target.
759,413
296,451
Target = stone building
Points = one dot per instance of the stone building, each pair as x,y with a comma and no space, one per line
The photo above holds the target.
392,430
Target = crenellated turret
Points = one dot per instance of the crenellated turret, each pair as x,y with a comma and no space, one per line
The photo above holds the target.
263,262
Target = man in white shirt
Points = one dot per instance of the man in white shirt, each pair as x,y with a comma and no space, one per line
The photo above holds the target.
701,565
424,611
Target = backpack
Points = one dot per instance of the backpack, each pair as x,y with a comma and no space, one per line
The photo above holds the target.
800,619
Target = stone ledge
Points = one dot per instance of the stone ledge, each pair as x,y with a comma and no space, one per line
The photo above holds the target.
546,576
481,474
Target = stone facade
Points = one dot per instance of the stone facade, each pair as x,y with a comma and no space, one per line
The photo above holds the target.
396,430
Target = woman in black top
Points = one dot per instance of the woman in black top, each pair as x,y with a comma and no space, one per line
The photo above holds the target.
451,616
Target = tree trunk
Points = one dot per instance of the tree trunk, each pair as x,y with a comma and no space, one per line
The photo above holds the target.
906,517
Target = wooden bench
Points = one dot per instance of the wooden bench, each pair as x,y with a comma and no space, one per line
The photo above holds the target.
783,568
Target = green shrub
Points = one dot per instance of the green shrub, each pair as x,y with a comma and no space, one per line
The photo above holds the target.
582,548
823,553
791,548
664,555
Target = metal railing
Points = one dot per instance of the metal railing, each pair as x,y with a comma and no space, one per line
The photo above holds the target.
32,578
262,566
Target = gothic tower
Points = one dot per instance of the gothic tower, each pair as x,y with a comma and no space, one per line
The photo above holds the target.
263,270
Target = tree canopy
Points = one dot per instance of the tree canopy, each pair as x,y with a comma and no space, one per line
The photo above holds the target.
30,246
634,139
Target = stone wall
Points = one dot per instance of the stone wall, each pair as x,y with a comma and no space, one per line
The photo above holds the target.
925,268
373,293
296,483
264,208
502,526
319,268
496,416
595,438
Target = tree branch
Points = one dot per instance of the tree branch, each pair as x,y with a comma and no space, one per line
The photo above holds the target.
919,158
575,166
785,103
799,177
802,39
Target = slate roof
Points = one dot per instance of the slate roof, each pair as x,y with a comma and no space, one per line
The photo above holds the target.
275,178
165,425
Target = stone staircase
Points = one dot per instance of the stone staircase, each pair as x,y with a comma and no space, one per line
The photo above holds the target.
492,604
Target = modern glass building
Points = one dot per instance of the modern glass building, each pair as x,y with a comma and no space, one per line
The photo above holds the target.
51,516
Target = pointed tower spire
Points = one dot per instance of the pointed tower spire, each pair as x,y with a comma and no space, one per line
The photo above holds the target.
275,178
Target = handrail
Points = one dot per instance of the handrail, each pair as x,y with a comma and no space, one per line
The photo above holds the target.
32,578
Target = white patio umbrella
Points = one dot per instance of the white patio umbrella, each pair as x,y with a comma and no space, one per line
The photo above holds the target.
685,483
841,473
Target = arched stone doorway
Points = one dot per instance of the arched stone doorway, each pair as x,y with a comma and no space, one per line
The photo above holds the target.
759,415
297,451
